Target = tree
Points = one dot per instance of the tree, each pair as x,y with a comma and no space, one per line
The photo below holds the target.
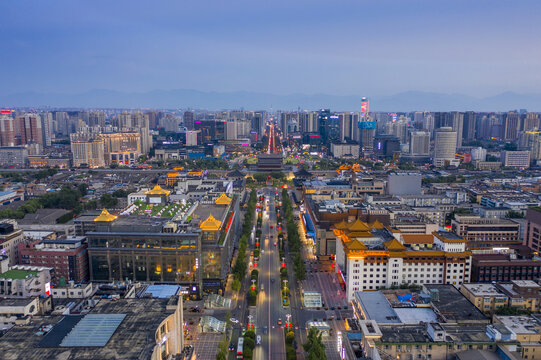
107,201
260,177
314,346
235,285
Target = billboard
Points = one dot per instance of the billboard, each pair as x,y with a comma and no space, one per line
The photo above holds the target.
367,124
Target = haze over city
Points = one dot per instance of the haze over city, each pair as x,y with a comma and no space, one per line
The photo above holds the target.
62,53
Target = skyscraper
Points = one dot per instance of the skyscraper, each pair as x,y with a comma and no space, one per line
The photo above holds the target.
444,146
367,129
47,127
189,118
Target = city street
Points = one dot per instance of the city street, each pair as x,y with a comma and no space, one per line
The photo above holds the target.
269,307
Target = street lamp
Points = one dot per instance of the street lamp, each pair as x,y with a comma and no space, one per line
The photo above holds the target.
253,284
250,324
288,321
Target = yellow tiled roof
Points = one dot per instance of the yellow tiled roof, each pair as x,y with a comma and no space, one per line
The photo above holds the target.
394,245
377,225
358,225
211,224
158,191
359,234
341,225
418,239
105,216
356,245
223,200
173,174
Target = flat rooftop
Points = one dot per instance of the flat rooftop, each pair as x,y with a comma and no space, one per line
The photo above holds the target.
134,338
483,290
416,315
454,306
18,274
521,324
376,307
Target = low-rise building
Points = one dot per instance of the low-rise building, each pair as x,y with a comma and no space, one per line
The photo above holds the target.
505,265
140,328
68,257
345,150
527,331
10,238
486,233
25,281
516,159
486,297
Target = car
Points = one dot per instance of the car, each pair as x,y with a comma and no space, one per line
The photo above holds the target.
272,236
275,243
265,330
258,340
271,227
279,322
272,280
233,320
262,287
231,347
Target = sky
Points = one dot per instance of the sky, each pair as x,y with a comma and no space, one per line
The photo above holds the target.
338,47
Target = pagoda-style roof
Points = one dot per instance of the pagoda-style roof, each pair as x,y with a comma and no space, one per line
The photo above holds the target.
356,167
344,167
178,168
377,225
358,225
211,224
236,174
105,216
394,245
341,225
223,200
173,174
356,245
158,191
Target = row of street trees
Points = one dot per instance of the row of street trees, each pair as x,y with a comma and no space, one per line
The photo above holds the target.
293,237
240,267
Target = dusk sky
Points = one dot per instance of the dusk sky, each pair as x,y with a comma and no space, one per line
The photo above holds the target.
478,48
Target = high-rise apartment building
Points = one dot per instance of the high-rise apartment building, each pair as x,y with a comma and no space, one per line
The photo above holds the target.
511,126
7,130
88,152
47,127
531,122
444,146
28,129
96,118
308,122
469,126
189,118
420,143
62,121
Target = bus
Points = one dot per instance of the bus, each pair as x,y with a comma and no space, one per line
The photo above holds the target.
239,348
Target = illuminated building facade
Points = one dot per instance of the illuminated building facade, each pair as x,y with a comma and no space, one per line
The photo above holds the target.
372,257
195,251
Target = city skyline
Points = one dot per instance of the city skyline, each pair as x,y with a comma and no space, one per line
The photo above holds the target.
347,49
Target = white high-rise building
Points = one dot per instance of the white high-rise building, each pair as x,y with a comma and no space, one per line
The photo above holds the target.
444,146
420,143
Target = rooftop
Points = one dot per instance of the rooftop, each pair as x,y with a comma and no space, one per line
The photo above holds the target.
520,324
134,338
376,307
483,290
453,305
18,274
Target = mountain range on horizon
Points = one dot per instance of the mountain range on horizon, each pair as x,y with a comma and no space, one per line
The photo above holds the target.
211,100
